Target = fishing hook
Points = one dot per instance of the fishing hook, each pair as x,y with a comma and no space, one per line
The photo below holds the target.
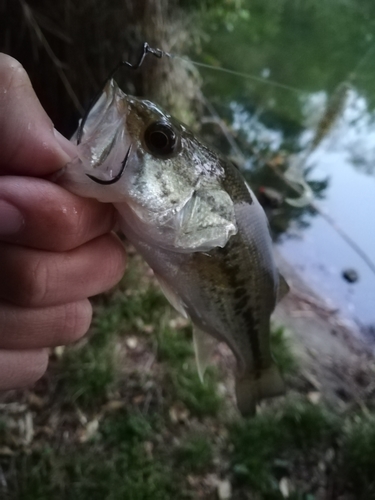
145,50
117,177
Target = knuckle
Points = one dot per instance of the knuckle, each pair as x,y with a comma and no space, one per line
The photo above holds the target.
38,365
116,259
112,265
34,280
76,321
70,222
10,66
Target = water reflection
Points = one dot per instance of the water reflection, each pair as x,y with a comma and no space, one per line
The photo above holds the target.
271,126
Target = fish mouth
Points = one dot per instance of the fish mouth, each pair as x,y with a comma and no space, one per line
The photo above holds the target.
117,177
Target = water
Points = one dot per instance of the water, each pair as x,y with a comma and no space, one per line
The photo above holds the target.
313,49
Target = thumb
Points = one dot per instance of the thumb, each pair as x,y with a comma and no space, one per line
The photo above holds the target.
29,144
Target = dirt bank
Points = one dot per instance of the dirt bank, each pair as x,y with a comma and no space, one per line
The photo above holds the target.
334,358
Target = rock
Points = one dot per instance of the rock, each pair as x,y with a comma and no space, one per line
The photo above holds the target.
131,342
90,430
224,490
350,275
284,487
314,397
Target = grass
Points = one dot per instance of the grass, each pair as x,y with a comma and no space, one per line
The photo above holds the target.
131,311
201,399
87,373
194,453
175,351
175,347
113,465
267,446
298,436
282,351
359,456
142,453
148,305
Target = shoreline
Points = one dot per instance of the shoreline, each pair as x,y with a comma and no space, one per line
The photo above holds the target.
334,356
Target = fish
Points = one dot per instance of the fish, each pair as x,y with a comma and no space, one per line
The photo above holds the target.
191,215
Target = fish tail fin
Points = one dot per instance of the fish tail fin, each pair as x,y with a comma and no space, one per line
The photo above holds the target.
251,389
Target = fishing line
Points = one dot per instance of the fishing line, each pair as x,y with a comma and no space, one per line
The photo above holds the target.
240,74
354,73
160,53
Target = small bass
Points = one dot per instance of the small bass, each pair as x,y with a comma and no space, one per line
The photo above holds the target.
191,215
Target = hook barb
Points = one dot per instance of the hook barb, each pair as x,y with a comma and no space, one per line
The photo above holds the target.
117,177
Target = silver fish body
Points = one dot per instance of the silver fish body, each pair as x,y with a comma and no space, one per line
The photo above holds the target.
196,222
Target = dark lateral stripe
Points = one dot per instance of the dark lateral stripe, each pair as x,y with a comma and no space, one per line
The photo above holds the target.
241,297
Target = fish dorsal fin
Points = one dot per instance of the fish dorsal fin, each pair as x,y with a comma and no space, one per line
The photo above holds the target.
204,346
283,288
171,296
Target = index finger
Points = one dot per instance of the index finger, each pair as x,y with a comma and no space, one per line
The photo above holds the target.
42,215
29,144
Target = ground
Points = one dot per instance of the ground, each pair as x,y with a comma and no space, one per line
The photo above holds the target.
336,360
122,415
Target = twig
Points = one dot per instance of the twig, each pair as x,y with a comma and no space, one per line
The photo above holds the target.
224,128
30,19
362,254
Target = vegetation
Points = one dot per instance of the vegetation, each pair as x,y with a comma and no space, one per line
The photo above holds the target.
115,465
111,429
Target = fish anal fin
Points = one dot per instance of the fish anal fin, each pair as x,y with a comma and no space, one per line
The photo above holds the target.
171,296
204,346
251,389
283,288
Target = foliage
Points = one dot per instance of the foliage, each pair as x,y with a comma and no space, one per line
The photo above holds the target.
140,451
194,453
89,371
359,456
175,346
272,441
114,466
282,351
200,398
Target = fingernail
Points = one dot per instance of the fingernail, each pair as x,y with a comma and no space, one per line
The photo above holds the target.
11,220
68,147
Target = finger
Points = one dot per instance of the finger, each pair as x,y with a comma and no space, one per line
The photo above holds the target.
27,328
39,214
21,368
28,143
35,278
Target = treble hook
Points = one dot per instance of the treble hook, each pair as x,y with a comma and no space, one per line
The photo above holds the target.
145,50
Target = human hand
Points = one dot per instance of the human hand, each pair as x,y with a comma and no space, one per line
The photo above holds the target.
56,249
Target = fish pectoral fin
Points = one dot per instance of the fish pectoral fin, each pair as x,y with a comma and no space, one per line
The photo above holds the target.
171,296
251,389
207,220
204,346
283,288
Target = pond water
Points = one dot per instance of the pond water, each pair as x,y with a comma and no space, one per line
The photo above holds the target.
309,48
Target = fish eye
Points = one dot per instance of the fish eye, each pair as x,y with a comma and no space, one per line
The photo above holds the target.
161,139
